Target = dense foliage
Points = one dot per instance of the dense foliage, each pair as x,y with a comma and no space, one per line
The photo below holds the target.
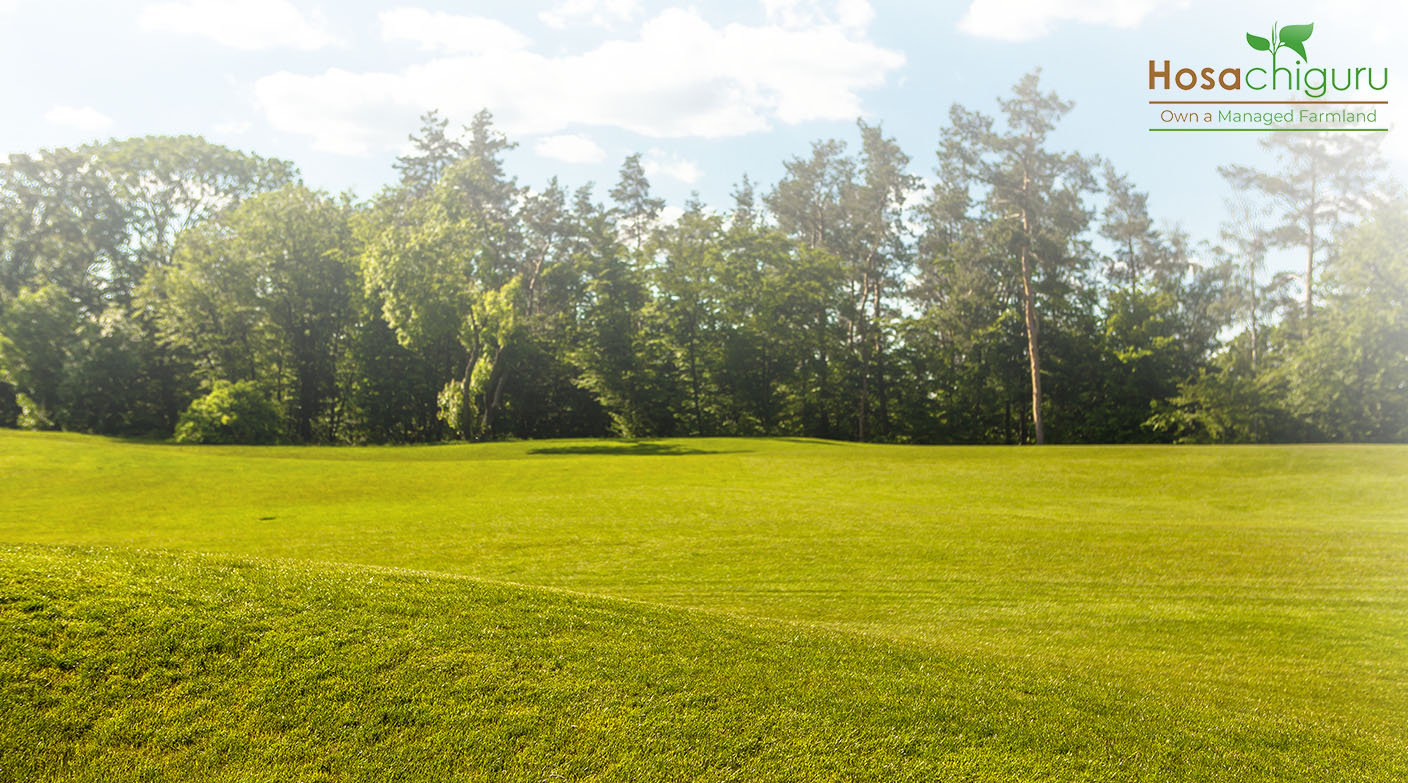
1025,296
230,413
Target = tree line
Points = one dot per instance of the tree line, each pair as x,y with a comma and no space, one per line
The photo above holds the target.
166,286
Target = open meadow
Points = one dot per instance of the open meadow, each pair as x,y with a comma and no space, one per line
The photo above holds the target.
702,609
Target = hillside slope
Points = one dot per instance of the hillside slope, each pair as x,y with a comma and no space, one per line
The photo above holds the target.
161,666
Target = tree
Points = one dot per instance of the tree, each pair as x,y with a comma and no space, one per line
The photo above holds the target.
449,264
1325,180
42,332
807,205
799,295
168,184
542,398
1256,303
422,267
61,234
1219,406
433,151
1029,197
1140,251
621,350
967,334
230,413
1149,342
636,210
138,275
391,390
880,254
64,226
689,261
1348,379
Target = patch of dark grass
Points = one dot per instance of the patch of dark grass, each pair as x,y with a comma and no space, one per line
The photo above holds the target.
630,449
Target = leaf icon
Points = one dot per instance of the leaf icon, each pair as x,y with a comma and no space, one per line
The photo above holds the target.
1293,37
1258,43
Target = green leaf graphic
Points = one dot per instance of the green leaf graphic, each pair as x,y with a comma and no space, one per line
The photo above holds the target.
1258,43
1293,37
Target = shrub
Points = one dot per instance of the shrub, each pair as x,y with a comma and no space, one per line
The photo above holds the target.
230,413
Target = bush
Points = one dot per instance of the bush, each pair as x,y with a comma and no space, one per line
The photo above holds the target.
231,413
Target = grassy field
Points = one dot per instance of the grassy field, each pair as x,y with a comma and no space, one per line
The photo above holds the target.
702,610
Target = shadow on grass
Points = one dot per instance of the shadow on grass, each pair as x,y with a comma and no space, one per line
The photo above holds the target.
811,441
638,448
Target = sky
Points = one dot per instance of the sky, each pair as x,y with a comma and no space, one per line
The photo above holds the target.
705,92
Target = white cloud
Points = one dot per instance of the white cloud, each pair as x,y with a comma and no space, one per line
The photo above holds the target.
598,13
793,14
669,215
680,77
83,118
854,13
659,163
438,31
344,112
570,148
233,128
1025,20
239,24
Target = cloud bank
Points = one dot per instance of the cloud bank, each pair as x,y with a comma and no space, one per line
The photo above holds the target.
679,77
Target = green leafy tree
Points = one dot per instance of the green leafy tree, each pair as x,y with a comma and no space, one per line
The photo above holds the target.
880,255
42,333
1348,379
168,184
448,264
807,205
967,334
1222,406
1254,301
605,337
391,390
541,396
636,209
433,151
422,268
64,226
136,274
1141,253
237,413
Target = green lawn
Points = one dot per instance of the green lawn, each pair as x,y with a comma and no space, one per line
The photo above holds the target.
702,610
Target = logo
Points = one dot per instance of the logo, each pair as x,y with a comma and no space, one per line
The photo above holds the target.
1292,37
1290,81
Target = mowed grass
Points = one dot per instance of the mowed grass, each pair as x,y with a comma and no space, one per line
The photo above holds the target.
703,610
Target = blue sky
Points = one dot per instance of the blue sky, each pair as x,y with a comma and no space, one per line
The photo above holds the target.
706,92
